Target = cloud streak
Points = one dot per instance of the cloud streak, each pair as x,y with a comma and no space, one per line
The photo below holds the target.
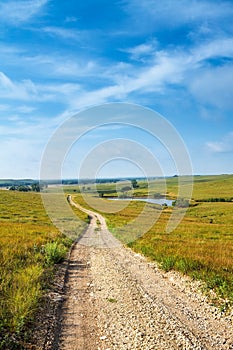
208,84
223,146
166,13
63,33
20,11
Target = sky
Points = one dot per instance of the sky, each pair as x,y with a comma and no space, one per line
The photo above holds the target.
60,58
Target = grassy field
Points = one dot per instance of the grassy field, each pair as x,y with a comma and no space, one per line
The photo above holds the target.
202,244
30,245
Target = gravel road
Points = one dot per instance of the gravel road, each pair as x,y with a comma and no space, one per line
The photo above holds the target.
116,299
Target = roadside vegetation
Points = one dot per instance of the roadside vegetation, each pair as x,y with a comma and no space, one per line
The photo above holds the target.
202,244
30,245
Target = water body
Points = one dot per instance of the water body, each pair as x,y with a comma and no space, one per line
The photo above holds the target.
159,201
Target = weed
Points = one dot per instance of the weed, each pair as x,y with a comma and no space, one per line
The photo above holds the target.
112,300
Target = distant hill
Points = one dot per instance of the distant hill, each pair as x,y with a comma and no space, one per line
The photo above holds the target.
11,182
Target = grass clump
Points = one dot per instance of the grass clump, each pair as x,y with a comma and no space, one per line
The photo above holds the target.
54,253
168,263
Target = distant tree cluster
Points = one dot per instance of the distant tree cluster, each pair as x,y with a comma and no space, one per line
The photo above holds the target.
181,203
35,187
134,183
217,199
103,193
158,195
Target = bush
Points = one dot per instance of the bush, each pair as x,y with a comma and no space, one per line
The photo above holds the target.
181,203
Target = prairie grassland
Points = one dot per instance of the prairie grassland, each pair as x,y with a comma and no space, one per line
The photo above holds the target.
202,244
29,245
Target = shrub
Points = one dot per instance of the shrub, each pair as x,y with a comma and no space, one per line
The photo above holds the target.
181,203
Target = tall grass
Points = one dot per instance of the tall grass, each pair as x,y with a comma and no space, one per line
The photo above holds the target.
29,245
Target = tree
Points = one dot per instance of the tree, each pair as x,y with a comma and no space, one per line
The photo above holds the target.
101,193
134,183
157,195
126,189
23,188
181,203
36,187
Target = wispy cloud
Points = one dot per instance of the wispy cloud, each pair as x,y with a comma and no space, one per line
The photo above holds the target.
71,19
189,68
221,47
63,33
168,13
214,87
223,146
4,107
48,65
26,90
140,52
21,159
16,12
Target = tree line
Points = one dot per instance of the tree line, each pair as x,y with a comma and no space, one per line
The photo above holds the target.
35,187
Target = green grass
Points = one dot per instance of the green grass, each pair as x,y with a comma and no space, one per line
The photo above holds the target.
29,247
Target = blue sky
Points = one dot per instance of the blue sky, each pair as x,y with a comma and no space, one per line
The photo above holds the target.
58,58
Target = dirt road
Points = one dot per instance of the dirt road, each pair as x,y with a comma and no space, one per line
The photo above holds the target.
115,299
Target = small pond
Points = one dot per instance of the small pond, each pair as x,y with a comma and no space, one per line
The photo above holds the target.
159,201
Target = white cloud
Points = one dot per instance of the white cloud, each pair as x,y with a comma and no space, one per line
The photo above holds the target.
5,82
20,11
74,69
48,65
63,33
163,70
143,50
187,68
25,109
4,107
21,159
217,48
213,86
223,146
26,90
167,13
71,19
